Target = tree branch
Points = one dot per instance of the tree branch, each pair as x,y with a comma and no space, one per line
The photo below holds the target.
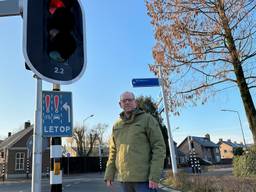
204,86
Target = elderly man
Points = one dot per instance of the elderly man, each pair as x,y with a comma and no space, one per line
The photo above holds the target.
137,149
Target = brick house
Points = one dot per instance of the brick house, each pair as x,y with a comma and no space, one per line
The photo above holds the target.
227,148
205,149
16,150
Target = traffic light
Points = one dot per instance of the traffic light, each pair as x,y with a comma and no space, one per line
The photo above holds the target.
54,39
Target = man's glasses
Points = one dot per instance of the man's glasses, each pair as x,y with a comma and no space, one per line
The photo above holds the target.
127,100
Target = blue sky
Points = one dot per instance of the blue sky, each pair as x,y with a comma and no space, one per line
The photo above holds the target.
119,43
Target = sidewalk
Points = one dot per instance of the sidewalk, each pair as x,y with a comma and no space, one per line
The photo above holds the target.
167,189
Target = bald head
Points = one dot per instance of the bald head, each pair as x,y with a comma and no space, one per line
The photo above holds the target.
127,93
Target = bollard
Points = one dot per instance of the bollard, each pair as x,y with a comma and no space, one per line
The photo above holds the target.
56,165
3,171
194,162
27,171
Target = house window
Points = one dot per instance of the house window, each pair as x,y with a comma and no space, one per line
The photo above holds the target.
19,161
2,155
225,151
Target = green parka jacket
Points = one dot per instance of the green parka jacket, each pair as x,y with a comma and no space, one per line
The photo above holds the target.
137,149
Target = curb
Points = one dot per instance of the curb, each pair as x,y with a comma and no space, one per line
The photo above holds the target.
168,189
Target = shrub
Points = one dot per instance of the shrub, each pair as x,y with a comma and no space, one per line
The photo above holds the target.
171,181
238,151
186,182
244,166
200,183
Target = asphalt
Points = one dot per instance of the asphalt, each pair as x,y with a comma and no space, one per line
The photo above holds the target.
90,176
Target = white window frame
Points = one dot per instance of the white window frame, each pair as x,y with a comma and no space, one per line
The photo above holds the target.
19,161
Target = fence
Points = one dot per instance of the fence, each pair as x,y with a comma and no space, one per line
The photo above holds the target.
83,164
73,165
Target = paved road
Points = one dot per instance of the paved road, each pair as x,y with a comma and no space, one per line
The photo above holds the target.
74,183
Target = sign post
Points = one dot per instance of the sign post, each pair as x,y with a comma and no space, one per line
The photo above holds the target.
68,156
37,141
10,8
171,143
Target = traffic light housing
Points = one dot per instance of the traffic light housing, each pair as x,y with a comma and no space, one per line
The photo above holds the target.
54,39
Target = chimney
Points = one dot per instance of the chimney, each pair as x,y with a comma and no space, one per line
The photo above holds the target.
235,142
27,124
220,139
207,136
9,134
229,140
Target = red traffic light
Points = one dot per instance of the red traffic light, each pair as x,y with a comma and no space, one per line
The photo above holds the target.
55,4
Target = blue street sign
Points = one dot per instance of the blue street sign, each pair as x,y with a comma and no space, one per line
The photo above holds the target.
145,82
57,117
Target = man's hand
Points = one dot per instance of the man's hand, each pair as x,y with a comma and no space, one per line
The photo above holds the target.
152,185
109,183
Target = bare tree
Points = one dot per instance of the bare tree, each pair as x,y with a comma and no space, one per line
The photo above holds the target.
100,129
206,46
91,139
79,137
95,134
86,138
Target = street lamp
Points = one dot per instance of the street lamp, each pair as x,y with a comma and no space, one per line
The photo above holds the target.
84,128
87,118
233,111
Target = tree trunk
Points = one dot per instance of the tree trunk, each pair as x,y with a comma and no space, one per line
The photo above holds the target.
92,141
240,79
246,98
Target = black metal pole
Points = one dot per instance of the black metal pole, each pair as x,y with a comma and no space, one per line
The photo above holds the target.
56,165
56,159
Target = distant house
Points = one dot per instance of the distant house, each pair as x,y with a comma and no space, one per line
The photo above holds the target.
16,150
205,149
227,148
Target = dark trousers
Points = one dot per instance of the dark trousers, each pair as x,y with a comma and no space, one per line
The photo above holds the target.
136,187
